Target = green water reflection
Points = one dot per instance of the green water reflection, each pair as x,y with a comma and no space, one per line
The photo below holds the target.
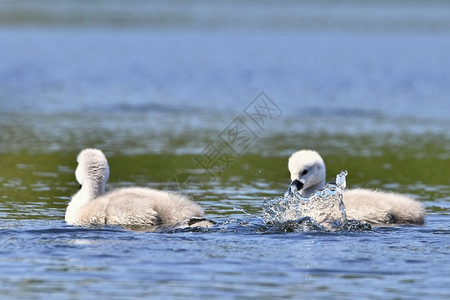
38,185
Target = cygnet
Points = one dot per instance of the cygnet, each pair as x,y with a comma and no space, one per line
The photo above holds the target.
125,206
308,173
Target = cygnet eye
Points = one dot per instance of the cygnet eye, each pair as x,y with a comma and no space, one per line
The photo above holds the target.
304,172
81,186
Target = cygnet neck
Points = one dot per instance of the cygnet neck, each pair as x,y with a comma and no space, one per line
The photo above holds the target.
307,192
93,188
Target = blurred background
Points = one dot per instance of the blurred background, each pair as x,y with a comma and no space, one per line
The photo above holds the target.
153,84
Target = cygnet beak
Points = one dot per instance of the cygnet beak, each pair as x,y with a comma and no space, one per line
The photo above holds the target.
294,187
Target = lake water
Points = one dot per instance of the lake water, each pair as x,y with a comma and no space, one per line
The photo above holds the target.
163,88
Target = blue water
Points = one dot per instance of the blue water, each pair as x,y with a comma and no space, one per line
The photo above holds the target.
153,84
42,259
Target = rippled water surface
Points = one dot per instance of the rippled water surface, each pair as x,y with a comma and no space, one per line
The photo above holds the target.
163,88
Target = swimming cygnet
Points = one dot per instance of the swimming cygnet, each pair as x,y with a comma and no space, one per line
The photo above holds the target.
308,172
125,206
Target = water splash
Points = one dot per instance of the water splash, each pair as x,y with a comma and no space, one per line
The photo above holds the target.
324,210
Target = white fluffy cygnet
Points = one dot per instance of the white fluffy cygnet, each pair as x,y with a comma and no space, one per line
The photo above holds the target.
308,172
124,206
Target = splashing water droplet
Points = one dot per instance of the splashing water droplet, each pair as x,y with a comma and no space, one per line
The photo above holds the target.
324,209
340,180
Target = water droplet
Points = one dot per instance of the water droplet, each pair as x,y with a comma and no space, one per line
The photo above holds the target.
324,210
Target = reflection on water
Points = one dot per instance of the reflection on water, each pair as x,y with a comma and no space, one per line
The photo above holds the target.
268,15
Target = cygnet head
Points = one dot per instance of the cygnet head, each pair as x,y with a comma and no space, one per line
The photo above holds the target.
92,170
307,172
